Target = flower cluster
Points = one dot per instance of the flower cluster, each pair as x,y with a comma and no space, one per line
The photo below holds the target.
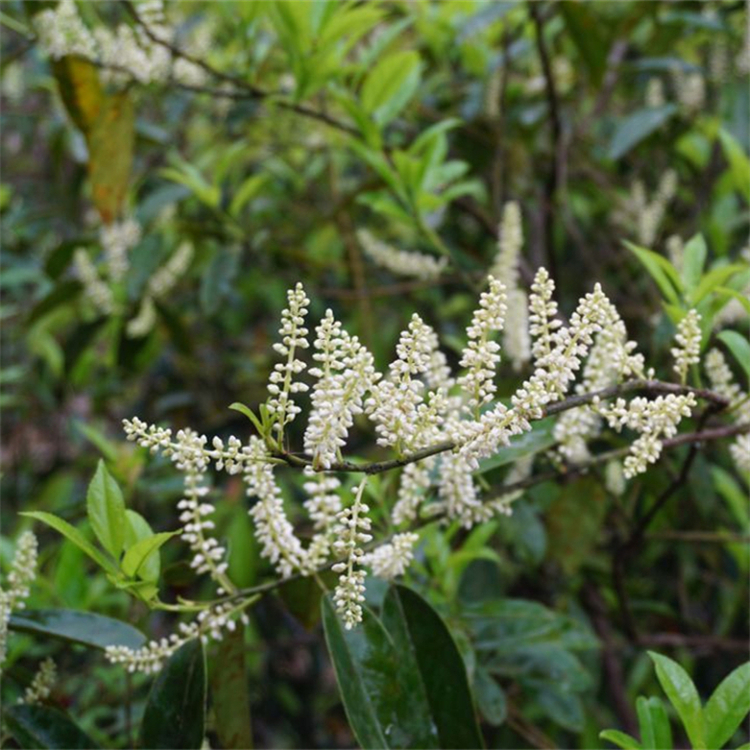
351,530
282,382
401,262
653,420
516,341
141,53
18,584
644,214
116,240
209,624
688,344
391,560
41,685
345,372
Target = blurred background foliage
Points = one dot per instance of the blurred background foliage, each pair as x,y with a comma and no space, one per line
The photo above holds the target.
416,121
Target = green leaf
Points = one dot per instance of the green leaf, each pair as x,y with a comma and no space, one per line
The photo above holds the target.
433,665
133,564
84,628
246,192
620,739
390,85
36,726
585,30
739,164
490,697
382,712
661,271
136,529
75,536
538,439
175,713
644,722
740,348
694,261
636,127
230,696
248,412
732,294
714,279
682,694
727,707
661,728
106,510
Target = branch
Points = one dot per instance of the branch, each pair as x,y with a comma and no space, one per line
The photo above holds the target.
378,467
253,91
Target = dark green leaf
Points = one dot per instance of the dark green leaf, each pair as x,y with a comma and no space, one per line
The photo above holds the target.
540,438
682,694
106,510
36,727
85,628
586,32
637,126
728,707
421,637
175,713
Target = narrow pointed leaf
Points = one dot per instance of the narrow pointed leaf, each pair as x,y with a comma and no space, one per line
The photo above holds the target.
35,726
175,714
106,510
728,707
680,690
620,739
134,562
85,628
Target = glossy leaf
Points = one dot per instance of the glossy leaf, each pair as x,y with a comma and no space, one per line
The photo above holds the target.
136,529
739,347
682,694
728,707
381,711
229,691
620,739
175,713
84,628
694,260
390,85
426,647
538,439
106,510
134,562
75,536
37,726
636,127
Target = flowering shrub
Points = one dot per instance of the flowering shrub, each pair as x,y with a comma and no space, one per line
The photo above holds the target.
498,444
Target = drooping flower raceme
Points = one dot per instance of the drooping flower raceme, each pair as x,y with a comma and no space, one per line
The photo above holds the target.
401,262
41,684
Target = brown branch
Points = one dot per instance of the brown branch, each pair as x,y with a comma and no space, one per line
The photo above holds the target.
649,386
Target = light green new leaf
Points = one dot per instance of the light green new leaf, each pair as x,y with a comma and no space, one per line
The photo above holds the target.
714,279
728,706
621,739
248,412
680,690
654,724
390,85
661,271
75,536
134,562
694,261
106,510
739,164
739,347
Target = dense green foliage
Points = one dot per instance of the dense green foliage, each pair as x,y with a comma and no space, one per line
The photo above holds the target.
620,128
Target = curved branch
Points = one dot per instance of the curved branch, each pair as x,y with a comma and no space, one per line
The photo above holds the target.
572,402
